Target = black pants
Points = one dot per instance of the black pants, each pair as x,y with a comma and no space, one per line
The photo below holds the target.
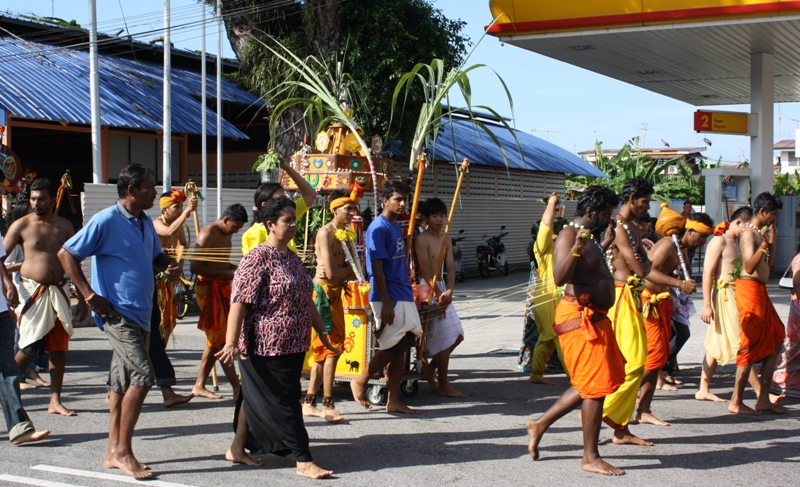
271,391
162,367
681,333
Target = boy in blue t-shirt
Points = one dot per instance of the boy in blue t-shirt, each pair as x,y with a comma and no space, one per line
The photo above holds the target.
391,298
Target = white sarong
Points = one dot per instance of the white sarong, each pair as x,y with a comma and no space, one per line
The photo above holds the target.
406,319
443,332
39,316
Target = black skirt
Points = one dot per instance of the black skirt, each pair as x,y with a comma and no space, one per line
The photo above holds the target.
271,394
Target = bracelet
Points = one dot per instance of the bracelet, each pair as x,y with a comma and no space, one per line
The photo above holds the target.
576,255
762,249
88,298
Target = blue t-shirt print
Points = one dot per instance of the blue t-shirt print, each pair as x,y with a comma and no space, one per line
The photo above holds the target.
385,242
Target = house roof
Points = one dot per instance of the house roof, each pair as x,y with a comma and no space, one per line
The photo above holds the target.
44,82
473,143
784,144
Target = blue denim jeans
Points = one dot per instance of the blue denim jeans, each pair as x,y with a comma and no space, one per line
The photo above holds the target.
17,421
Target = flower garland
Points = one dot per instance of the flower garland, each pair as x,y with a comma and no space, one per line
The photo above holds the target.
348,239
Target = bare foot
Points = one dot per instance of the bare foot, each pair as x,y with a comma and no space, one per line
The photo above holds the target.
311,471
624,437
24,386
742,409
648,418
331,415
130,467
666,387
108,463
58,408
448,391
534,436
430,377
311,411
601,467
672,380
42,382
360,394
34,376
707,396
243,458
203,392
177,400
399,407
770,408
30,437
534,380
775,399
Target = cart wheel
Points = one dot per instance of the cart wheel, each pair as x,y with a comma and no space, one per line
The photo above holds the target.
409,388
376,395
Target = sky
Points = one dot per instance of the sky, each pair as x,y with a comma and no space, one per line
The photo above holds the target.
564,104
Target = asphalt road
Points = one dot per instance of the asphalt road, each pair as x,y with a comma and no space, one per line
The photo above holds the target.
479,440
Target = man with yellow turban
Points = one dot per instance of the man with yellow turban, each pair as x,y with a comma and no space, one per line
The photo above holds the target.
169,228
332,270
665,259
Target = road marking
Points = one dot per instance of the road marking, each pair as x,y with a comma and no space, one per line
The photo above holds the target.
106,476
30,481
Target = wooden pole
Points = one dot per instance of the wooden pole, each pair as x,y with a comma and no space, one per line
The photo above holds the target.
412,225
422,343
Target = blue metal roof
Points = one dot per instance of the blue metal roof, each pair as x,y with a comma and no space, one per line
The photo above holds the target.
472,142
43,82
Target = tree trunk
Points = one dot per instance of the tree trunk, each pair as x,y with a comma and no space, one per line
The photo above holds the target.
239,27
325,29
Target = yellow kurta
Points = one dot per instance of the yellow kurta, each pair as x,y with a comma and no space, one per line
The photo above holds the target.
257,234
626,316
546,296
722,338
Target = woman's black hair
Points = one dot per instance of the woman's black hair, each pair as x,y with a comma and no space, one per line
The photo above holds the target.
21,208
271,211
264,193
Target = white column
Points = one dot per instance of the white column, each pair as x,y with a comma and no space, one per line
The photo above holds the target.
219,109
94,94
203,118
762,98
167,117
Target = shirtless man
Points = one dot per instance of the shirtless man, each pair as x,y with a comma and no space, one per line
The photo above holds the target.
332,270
445,332
719,303
630,266
45,323
593,359
213,293
761,329
171,235
665,259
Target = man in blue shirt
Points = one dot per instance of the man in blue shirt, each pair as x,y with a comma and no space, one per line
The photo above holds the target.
391,299
125,249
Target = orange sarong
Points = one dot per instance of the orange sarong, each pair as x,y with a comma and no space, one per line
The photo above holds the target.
658,328
328,299
167,307
761,329
595,364
214,299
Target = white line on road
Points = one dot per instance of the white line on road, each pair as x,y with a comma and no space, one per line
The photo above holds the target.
31,481
106,476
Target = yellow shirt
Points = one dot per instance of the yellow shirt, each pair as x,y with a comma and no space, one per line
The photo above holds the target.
546,293
257,234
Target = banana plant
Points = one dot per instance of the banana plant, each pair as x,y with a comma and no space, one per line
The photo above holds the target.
436,85
320,93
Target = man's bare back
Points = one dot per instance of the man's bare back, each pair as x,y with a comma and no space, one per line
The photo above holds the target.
327,238
664,258
592,274
730,252
212,237
41,239
750,243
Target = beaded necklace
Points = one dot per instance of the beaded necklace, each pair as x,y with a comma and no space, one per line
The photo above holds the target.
761,233
599,247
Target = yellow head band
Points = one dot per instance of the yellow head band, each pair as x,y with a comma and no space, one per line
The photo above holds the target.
176,196
699,227
354,198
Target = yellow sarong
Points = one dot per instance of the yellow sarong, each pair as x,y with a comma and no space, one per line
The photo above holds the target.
626,316
546,296
722,338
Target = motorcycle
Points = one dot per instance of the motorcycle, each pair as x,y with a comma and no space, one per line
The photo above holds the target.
492,255
461,273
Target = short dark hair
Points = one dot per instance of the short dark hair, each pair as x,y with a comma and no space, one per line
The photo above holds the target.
236,213
132,175
636,188
166,194
768,202
702,218
744,213
271,211
687,202
598,198
392,187
264,193
43,184
339,193
433,206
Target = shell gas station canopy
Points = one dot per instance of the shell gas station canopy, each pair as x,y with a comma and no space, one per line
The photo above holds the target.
702,52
